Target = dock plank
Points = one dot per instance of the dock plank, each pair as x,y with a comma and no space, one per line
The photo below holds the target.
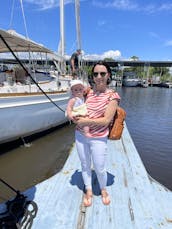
117,212
142,195
59,199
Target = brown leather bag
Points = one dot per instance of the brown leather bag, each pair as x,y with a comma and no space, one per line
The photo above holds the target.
117,126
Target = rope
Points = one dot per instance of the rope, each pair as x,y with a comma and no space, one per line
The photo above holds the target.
9,186
18,60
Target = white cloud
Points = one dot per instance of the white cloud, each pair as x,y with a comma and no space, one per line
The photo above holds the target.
101,23
108,54
131,5
165,6
117,4
154,35
168,43
48,4
155,8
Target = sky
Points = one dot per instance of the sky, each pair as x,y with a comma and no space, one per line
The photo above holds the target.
117,29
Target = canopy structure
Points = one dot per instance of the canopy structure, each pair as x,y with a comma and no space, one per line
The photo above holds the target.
19,43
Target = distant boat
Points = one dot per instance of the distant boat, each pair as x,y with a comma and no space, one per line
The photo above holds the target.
130,80
144,83
165,84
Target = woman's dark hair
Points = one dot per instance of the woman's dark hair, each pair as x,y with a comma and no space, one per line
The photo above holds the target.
107,67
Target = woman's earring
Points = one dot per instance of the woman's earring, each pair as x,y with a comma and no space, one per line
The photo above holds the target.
108,80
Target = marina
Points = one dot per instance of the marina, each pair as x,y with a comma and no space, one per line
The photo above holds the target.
157,162
45,166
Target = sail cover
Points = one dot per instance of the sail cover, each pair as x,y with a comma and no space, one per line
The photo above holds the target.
19,43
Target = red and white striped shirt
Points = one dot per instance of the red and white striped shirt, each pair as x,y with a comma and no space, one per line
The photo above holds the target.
96,106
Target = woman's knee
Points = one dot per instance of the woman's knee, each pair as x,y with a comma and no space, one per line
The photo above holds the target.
100,171
85,165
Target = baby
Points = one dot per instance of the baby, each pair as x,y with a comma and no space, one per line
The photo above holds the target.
76,104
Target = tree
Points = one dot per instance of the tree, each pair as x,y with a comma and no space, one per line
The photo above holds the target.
134,57
108,59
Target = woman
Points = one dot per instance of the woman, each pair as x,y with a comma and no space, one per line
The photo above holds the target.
101,105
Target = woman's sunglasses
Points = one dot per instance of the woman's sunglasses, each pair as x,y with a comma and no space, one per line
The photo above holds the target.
95,74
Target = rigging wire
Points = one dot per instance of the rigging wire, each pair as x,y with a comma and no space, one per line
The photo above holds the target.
21,64
12,15
24,18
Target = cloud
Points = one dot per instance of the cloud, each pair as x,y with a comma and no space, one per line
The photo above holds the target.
156,8
101,23
153,34
47,4
117,4
131,5
108,54
125,5
168,43
165,7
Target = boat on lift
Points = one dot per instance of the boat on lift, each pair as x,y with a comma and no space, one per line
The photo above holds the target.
130,80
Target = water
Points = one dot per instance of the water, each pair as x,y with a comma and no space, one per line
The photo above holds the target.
149,120
25,166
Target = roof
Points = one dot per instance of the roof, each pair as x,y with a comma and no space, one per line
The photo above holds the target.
19,43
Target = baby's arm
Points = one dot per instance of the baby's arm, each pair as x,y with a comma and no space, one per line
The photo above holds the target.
70,106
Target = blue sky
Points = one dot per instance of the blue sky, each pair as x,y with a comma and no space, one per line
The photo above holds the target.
109,28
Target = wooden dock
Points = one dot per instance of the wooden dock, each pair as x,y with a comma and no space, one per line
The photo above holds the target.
137,200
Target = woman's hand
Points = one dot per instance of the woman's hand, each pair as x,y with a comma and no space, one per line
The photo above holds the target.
81,121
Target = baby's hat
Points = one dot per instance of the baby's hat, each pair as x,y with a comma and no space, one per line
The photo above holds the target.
76,82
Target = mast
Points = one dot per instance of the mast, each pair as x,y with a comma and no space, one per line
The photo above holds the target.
77,15
62,39
78,32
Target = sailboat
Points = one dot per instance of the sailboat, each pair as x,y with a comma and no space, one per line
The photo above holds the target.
26,109
31,106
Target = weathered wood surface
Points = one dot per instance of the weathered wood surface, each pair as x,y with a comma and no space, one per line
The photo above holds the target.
137,200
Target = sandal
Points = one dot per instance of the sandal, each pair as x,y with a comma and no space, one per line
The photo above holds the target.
87,200
105,197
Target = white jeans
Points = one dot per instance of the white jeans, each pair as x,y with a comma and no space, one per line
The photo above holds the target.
95,149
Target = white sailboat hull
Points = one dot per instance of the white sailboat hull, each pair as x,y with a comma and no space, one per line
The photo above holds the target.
21,116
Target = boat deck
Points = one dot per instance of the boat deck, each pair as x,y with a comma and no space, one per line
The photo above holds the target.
137,200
